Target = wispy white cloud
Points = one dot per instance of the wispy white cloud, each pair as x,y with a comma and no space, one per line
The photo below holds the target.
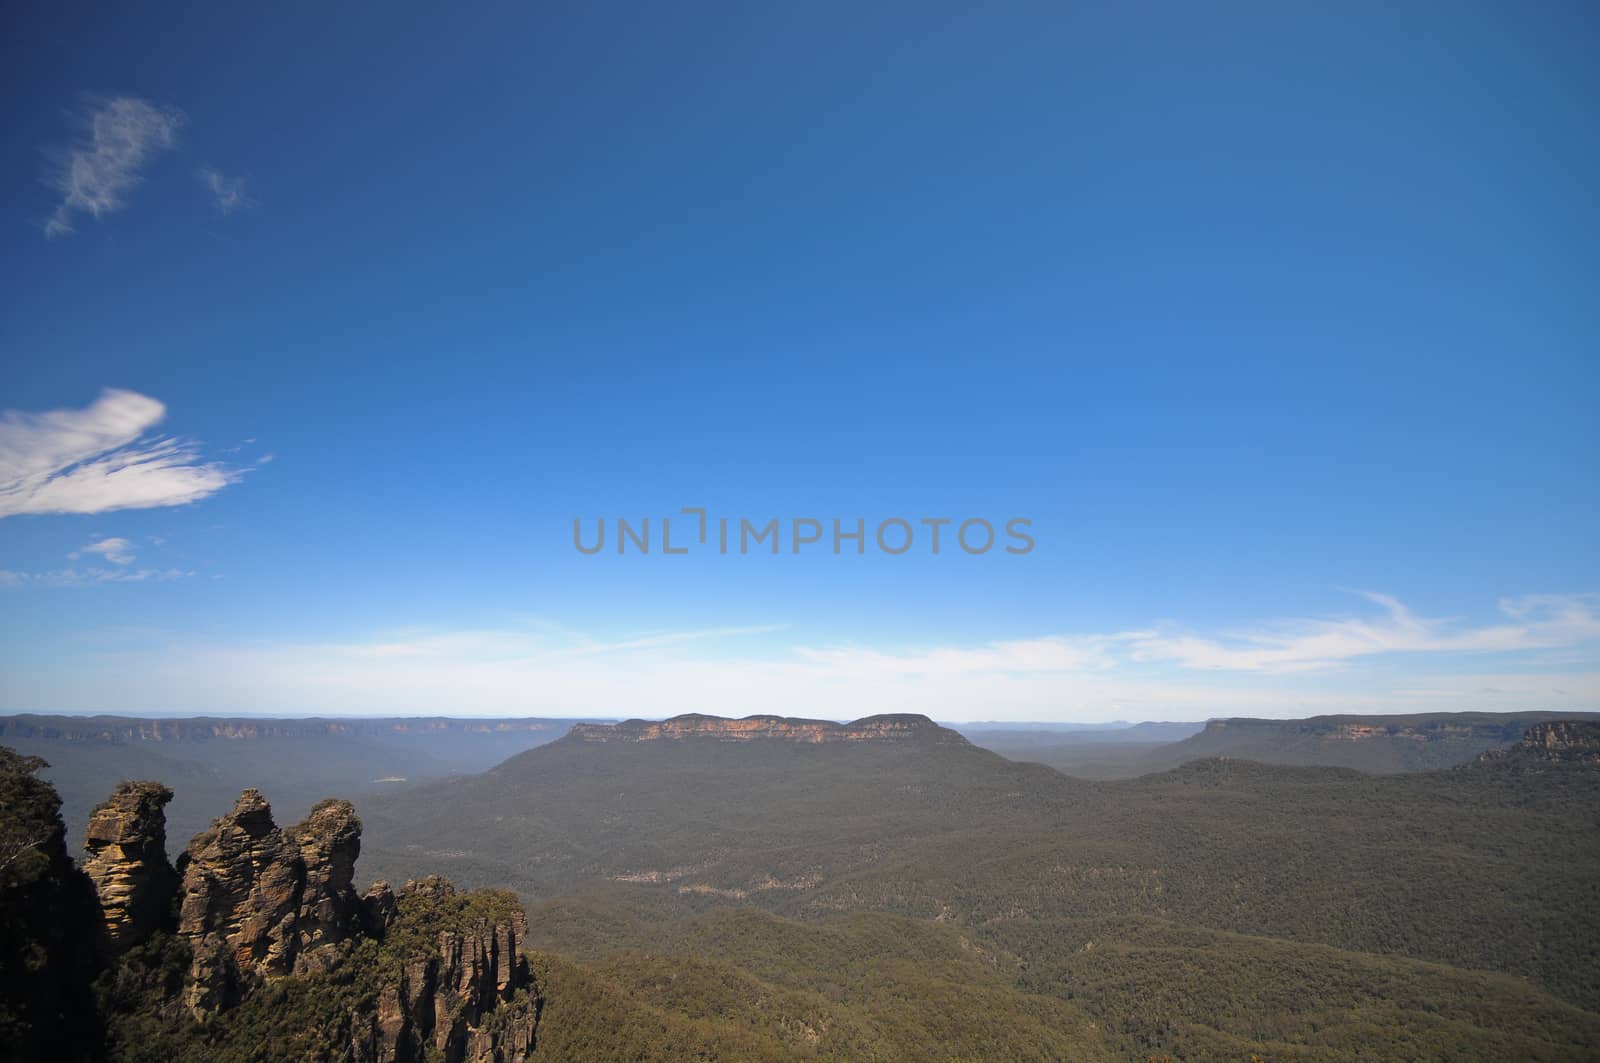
228,192
662,639
546,670
1052,653
115,550
518,645
1534,622
88,577
121,137
99,459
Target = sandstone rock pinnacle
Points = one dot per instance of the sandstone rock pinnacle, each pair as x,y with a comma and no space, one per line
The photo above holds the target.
126,847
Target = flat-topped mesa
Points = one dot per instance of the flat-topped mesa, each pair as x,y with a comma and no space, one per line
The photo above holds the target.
125,849
894,727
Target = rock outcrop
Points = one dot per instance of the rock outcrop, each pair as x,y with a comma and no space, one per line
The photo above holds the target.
330,912
1570,740
896,727
461,962
428,974
243,882
1554,742
378,909
257,904
125,849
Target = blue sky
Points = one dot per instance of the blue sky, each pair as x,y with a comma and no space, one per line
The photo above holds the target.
1277,324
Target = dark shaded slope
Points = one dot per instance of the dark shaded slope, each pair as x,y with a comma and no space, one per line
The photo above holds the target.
49,925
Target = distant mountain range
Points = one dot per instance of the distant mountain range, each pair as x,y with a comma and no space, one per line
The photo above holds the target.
773,888
208,760
115,729
943,829
1376,744
1021,737
301,760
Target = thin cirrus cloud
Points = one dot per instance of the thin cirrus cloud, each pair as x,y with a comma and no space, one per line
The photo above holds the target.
1533,622
495,671
95,175
1050,653
228,192
88,577
99,459
1131,674
523,646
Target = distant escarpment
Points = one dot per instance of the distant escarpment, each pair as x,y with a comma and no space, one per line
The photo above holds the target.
890,728
121,729
1554,742
1380,744
256,945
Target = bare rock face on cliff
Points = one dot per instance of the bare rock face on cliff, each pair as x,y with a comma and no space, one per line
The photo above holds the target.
243,881
454,960
379,909
330,912
126,859
429,974
260,904
1577,741
1554,742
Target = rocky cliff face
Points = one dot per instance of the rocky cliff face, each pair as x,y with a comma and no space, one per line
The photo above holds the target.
330,912
459,959
1461,727
901,727
1555,742
125,855
242,885
427,974
1377,744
